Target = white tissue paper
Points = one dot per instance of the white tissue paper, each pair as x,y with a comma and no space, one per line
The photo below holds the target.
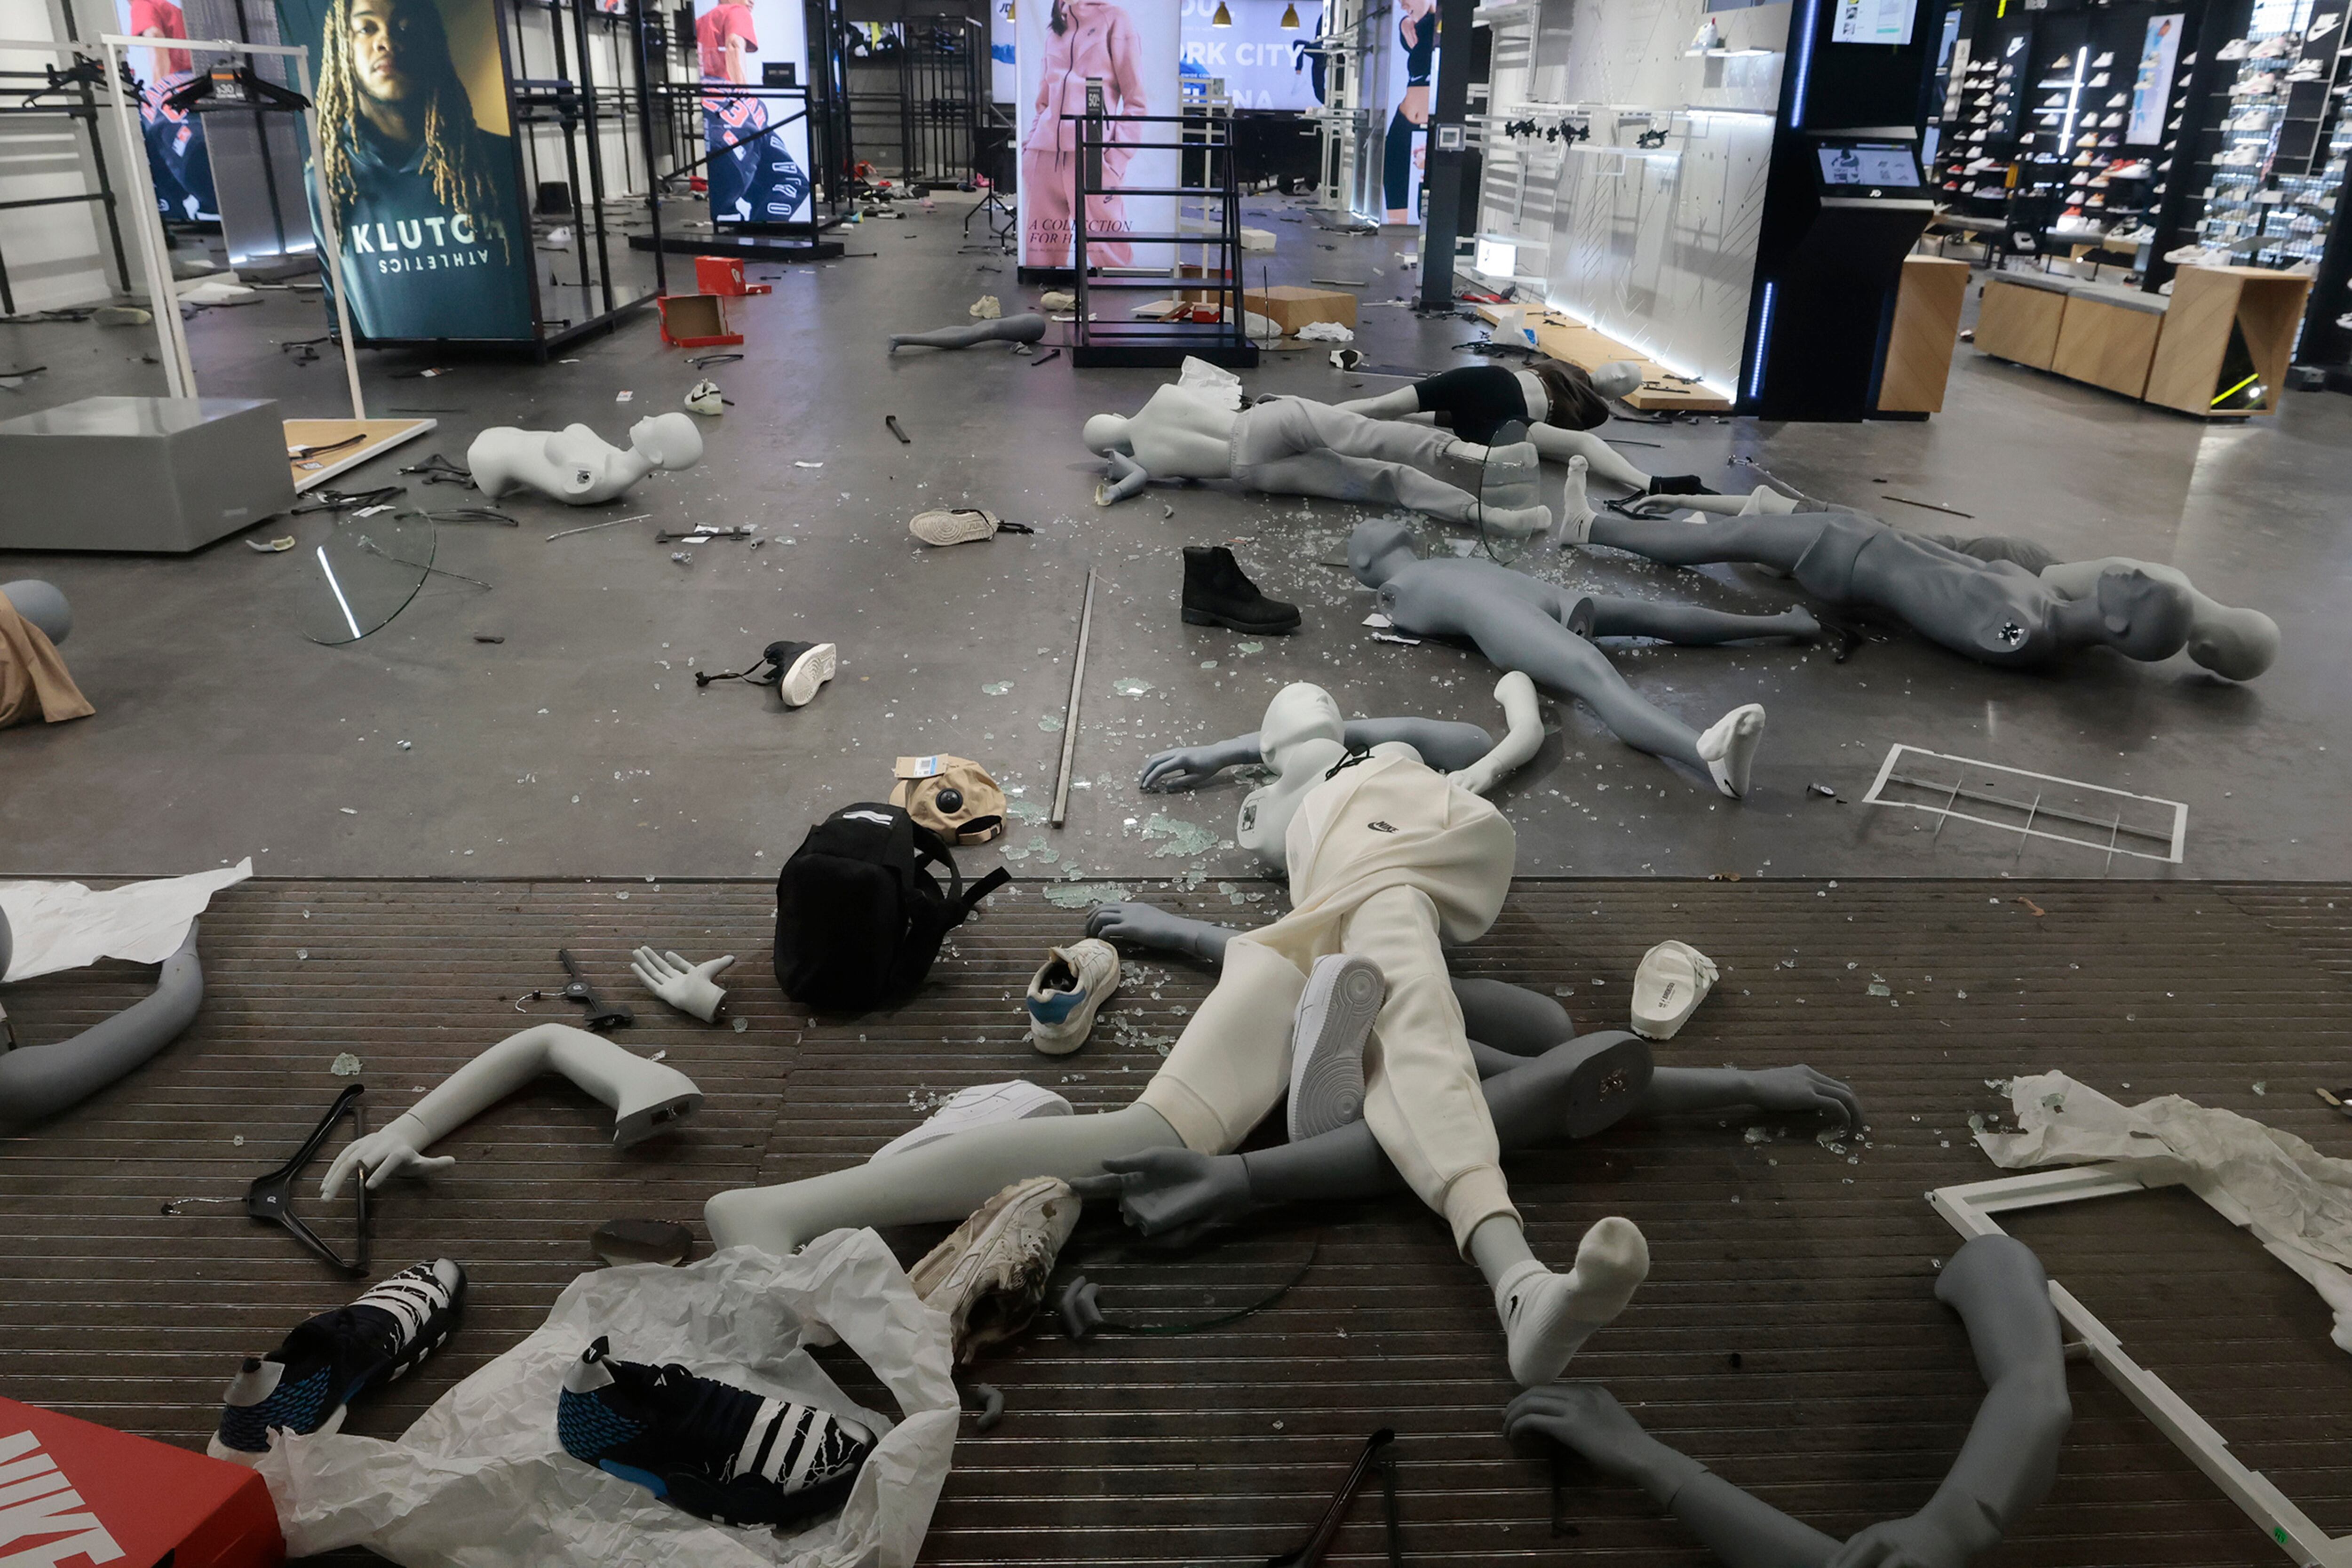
480,1481
1219,384
2300,1198
1326,333
64,925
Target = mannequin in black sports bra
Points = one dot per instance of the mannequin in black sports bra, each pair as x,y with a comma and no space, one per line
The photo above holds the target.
1417,38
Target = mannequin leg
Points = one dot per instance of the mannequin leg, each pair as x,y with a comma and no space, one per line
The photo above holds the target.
1689,625
1516,635
1402,404
938,1182
1561,445
1025,328
1739,1529
1777,541
1337,478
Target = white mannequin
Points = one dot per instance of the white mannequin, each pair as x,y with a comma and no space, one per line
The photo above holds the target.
576,466
646,1097
1291,447
1615,380
1303,734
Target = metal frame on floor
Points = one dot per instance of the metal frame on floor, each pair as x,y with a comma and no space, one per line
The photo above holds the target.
1970,1209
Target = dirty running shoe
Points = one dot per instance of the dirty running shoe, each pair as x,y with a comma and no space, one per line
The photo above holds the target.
720,1452
306,1385
1336,1011
988,1275
1068,989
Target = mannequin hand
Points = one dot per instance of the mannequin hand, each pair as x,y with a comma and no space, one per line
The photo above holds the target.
1186,767
380,1156
1794,1090
685,986
1574,1415
1911,1543
1146,925
1160,1189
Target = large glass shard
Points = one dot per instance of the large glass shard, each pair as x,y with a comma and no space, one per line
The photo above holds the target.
361,573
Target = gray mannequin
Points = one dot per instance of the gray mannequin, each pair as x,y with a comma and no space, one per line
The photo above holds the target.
1542,1083
1291,447
576,466
1993,611
2005,1467
39,1081
1522,623
1002,329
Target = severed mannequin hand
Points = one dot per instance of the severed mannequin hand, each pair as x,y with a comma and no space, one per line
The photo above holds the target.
1163,1189
689,987
384,1153
1190,767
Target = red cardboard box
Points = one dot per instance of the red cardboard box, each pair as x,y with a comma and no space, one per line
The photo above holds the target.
724,275
77,1495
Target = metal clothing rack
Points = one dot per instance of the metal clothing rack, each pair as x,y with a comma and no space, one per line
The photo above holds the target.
84,108
1205,135
940,97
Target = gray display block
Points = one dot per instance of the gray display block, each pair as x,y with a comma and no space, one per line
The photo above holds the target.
140,473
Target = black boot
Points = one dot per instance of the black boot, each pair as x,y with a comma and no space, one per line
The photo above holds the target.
1217,593
1677,485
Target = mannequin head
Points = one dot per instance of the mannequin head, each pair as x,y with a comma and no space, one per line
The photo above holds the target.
1106,432
1299,713
2236,644
1618,378
668,440
42,605
1379,549
2138,615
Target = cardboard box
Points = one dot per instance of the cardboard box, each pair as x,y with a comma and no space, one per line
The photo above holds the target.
1291,308
696,321
83,1494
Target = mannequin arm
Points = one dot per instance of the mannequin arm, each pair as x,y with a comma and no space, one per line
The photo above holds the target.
39,1081
1522,739
1442,744
1148,925
1778,1091
1128,477
644,1096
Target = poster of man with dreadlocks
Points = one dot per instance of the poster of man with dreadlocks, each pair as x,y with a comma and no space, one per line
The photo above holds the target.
435,241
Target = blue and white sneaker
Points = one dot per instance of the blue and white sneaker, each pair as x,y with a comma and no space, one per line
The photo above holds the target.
720,1452
307,1384
1066,993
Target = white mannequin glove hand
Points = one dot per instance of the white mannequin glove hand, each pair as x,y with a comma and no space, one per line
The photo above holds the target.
685,986
380,1156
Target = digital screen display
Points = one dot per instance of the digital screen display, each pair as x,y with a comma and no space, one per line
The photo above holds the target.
1872,21
1868,163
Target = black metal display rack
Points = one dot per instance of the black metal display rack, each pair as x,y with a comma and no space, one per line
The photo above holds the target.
1213,281
940,73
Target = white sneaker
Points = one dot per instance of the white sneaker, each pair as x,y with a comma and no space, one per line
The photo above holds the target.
989,1277
803,670
1336,1011
982,1105
1673,979
1071,985
954,525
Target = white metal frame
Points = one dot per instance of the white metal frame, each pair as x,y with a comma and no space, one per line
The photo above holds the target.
179,370
1944,813
1971,1210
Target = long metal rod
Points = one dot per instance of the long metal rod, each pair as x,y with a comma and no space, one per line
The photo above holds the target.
1070,713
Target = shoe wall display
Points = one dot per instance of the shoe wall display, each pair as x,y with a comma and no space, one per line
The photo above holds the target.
2275,173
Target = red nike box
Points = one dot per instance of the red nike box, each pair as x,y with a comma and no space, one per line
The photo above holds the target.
77,1495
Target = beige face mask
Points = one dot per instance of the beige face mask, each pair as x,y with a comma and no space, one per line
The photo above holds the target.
954,796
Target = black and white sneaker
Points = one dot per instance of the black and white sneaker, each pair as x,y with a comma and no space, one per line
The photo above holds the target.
720,1452
307,1384
1335,1016
801,668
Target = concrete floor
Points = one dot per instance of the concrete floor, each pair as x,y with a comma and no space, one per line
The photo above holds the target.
580,745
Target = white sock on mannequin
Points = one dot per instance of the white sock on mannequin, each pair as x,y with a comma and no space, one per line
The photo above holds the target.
1546,1317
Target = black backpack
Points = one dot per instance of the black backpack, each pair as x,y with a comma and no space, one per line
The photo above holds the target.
859,916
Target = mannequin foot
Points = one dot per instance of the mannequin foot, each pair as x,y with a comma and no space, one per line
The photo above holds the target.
1765,501
1575,507
1547,1317
1801,624
1728,748
1517,521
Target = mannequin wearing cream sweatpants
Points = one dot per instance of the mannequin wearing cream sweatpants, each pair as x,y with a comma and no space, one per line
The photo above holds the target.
1388,860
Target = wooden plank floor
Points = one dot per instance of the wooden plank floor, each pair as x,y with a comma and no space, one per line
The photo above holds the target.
1787,1338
